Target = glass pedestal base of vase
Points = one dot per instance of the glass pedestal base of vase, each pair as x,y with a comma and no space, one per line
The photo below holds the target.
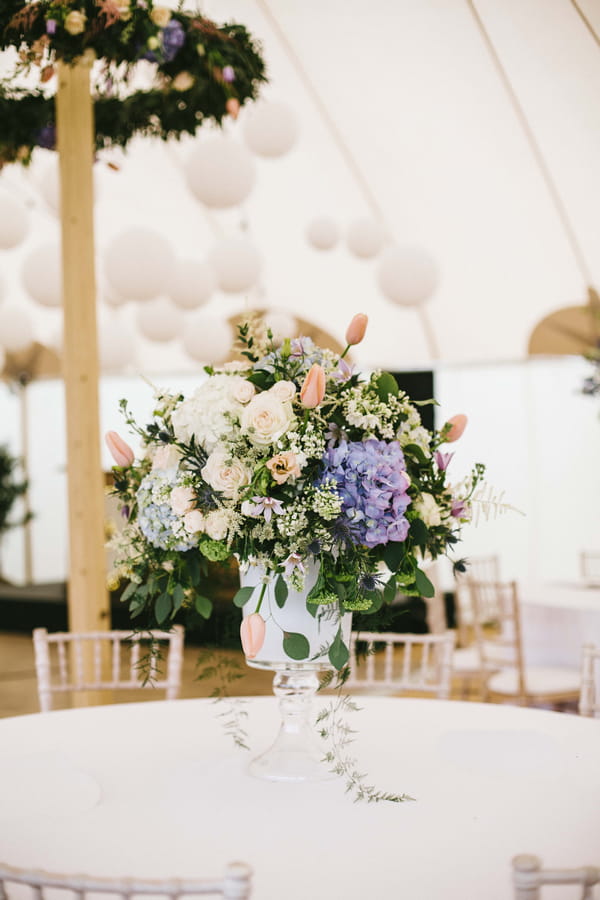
295,754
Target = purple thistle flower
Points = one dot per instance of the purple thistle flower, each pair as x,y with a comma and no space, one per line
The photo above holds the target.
46,137
371,479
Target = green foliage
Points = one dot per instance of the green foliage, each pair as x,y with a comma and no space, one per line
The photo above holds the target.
192,88
296,645
11,488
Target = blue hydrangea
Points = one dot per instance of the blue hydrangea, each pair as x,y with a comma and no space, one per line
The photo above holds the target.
159,524
370,477
173,39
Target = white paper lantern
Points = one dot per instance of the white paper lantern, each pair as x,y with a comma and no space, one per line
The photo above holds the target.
14,220
192,284
323,233
270,128
48,184
111,298
282,324
116,347
407,276
365,238
237,264
158,320
220,172
16,330
207,339
139,263
41,274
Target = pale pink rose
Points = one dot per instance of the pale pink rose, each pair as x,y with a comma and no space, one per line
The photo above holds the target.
356,329
252,633
121,451
161,16
244,391
283,390
265,419
232,106
216,524
193,521
183,81
313,389
165,457
283,466
225,474
458,424
182,500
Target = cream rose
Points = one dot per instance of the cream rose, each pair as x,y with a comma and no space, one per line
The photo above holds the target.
165,457
193,521
216,524
244,391
182,500
75,22
161,16
225,474
266,419
428,510
183,81
283,390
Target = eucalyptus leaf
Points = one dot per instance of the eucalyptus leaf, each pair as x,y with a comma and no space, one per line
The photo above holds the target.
178,597
390,590
419,532
243,595
338,652
423,584
393,555
131,589
203,606
296,645
163,607
386,385
281,591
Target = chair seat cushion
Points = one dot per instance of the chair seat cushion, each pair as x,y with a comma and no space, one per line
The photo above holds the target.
466,659
538,680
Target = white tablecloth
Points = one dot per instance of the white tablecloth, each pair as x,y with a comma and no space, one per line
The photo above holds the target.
157,789
557,619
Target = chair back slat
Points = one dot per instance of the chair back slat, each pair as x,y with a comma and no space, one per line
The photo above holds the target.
106,670
529,877
589,698
411,662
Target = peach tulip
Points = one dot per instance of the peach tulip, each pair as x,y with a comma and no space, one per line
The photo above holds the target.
121,452
356,329
252,633
313,389
457,426
233,107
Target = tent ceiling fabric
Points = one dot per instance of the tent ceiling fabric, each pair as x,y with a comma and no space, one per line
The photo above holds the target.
411,93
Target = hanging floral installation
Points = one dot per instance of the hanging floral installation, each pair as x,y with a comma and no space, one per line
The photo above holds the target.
198,71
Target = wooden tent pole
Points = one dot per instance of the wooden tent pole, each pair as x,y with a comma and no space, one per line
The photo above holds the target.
88,604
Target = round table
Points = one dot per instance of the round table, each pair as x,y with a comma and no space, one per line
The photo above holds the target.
159,789
557,619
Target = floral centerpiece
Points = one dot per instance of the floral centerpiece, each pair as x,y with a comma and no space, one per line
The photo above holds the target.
290,461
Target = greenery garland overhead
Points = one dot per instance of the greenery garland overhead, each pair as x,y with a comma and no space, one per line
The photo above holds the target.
201,71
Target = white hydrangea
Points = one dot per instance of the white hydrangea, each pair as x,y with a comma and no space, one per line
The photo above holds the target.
211,413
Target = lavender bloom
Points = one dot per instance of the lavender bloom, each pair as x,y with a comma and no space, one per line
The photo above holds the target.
294,561
51,26
371,479
442,460
460,509
343,372
262,506
228,74
173,39
334,434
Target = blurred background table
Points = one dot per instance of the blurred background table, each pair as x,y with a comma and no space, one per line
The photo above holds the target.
156,789
557,619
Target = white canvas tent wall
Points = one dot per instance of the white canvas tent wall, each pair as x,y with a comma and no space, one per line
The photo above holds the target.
401,110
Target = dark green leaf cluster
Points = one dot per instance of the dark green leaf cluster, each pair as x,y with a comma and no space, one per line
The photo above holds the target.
11,488
171,110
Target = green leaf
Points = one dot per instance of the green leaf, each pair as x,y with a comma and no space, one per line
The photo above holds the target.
424,586
386,385
416,451
193,567
419,532
243,595
281,591
295,645
163,607
129,590
390,591
338,652
178,597
203,606
393,555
